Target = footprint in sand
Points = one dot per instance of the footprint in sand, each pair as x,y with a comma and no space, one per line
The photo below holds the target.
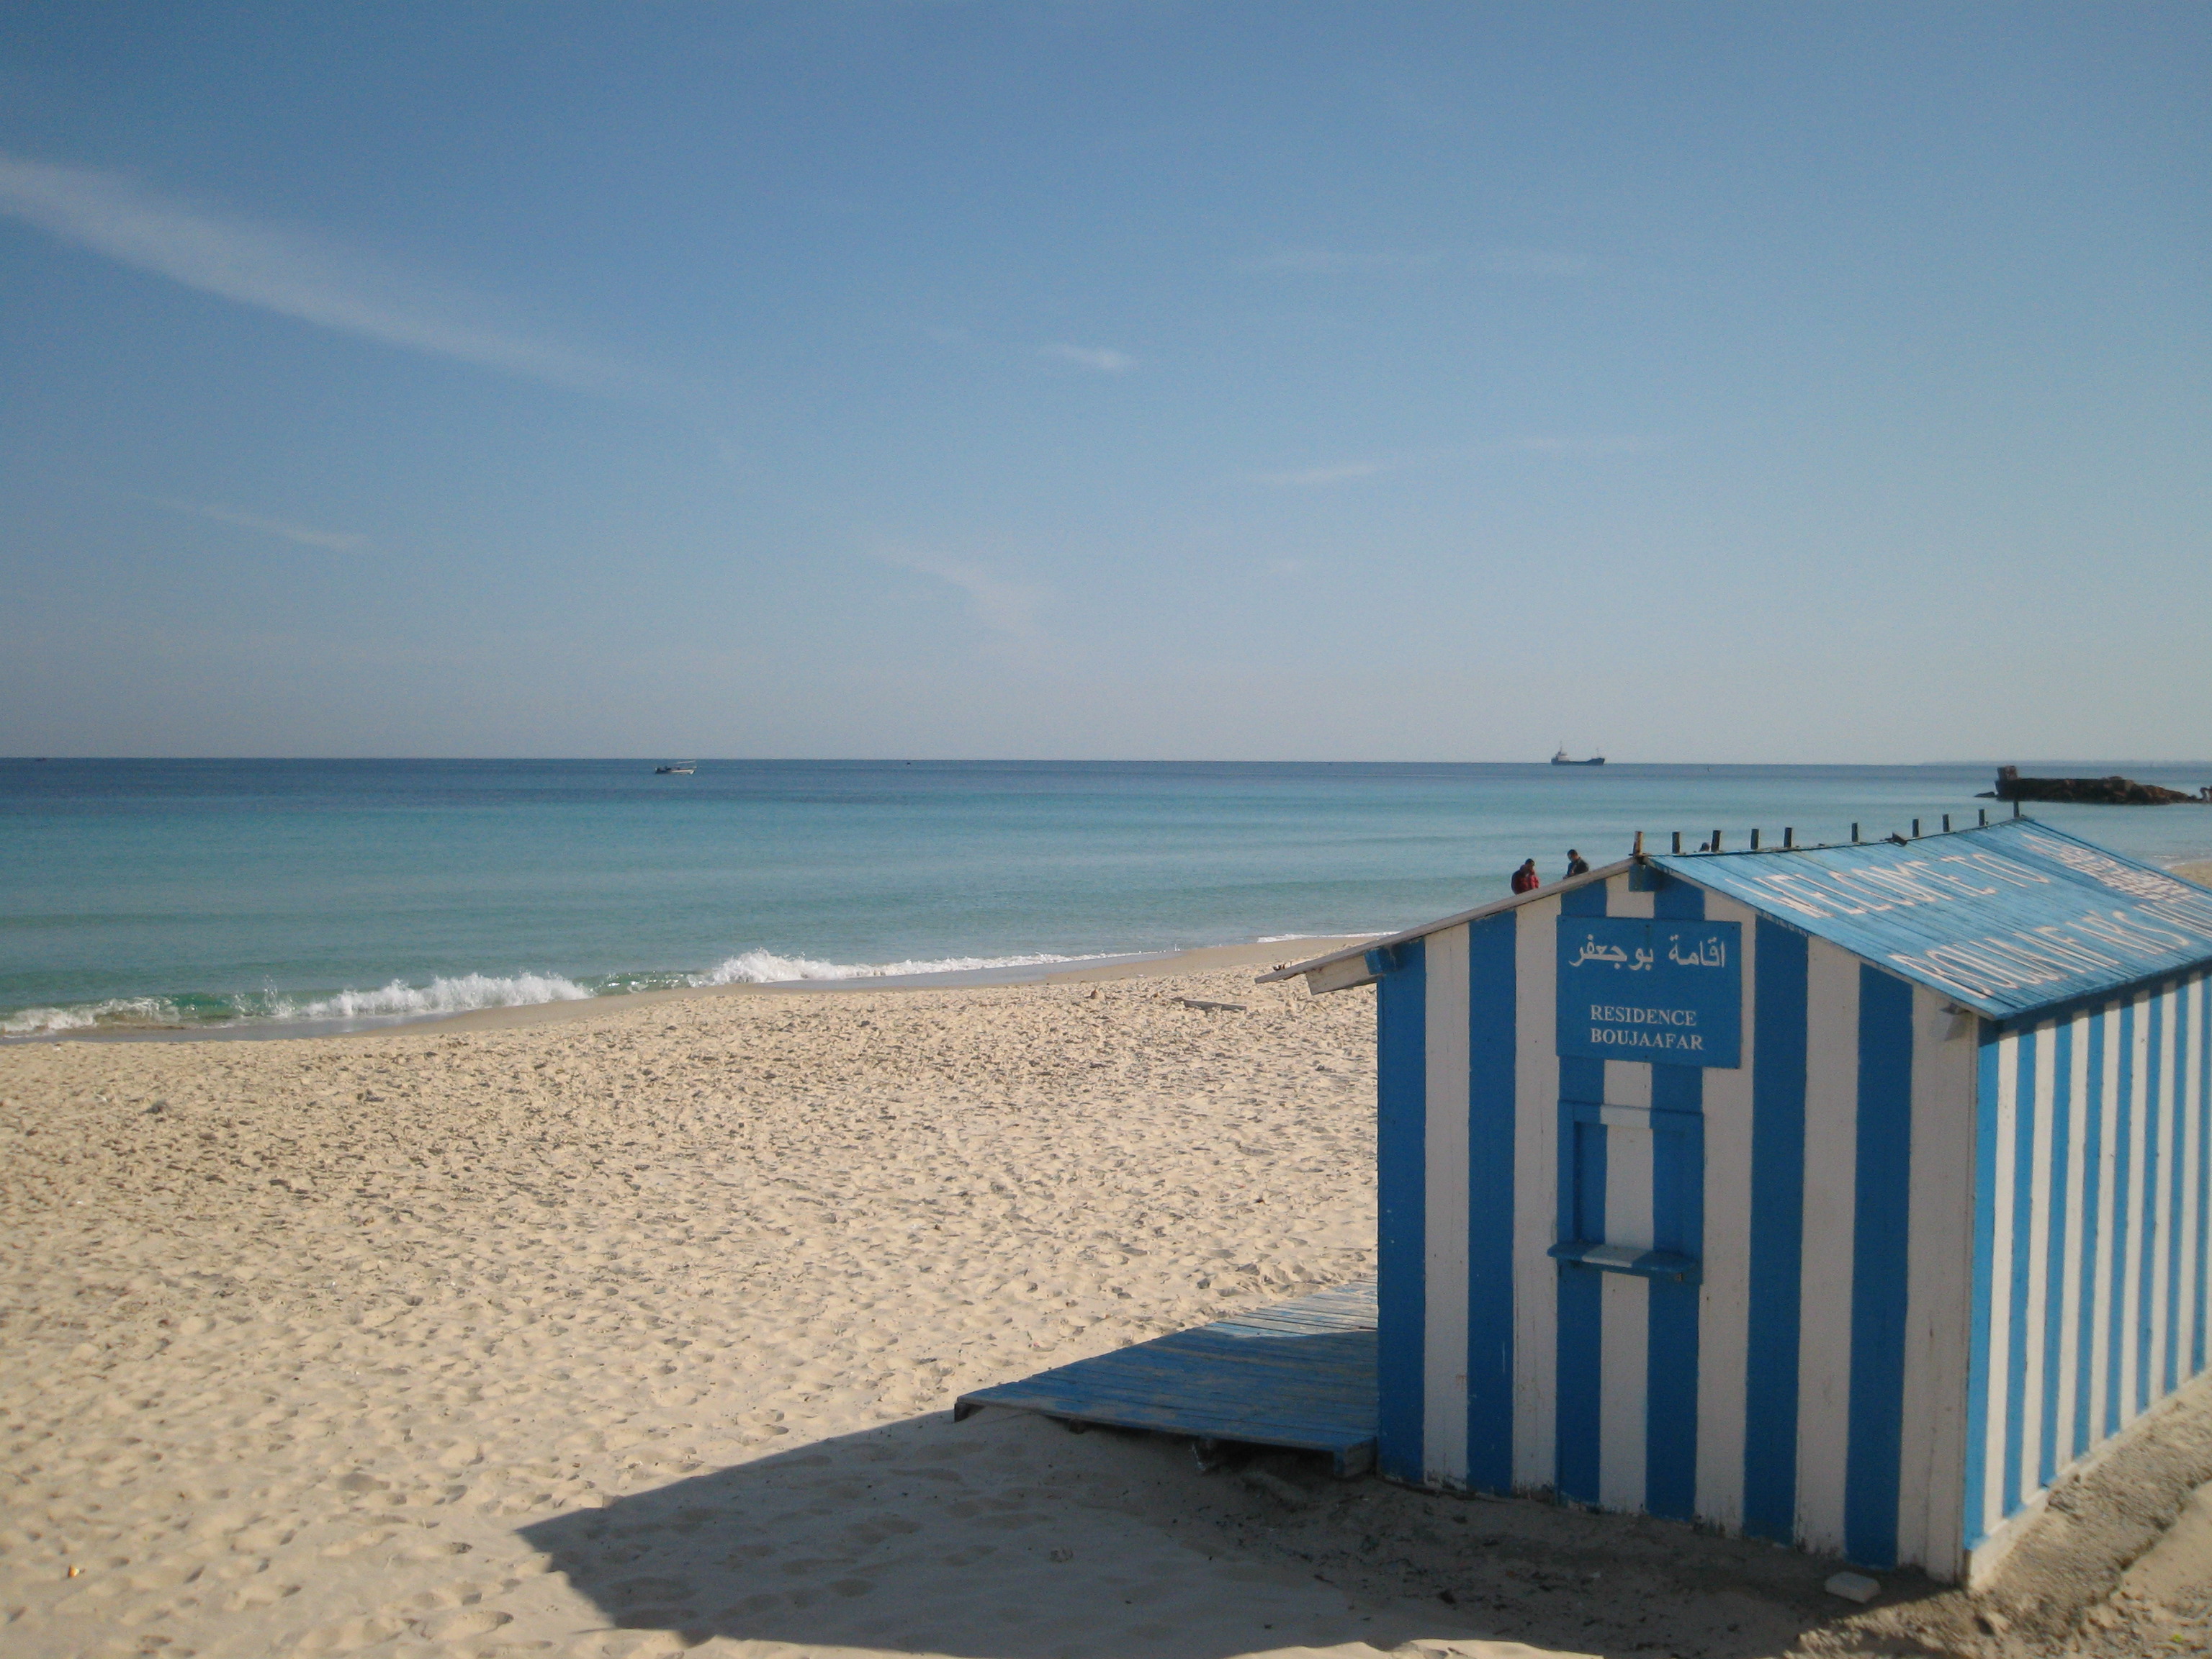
450,1596
359,1541
165,1578
459,1626
350,1635
257,1596
432,1551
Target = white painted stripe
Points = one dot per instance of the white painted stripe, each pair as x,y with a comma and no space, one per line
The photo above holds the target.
2078,1183
2130,1321
1724,1298
1535,1196
1444,1178
1998,1388
1628,1198
1824,1345
2163,1220
2192,1147
1627,1083
1620,901
1939,1278
1624,1343
2038,1261
2111,1121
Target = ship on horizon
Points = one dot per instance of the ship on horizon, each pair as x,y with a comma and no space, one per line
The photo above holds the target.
1562,758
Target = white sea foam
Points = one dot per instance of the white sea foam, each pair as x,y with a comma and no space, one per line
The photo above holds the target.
765,967
399,1000
84,1016
462,993
440,996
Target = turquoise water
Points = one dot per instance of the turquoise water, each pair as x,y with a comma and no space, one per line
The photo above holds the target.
289,894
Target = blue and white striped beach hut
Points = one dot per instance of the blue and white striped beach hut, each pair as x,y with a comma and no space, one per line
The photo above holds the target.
1844,1196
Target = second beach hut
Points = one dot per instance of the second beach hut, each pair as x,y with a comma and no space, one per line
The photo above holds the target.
1844,1196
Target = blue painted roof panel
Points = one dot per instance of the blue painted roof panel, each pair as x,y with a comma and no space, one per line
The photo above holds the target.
2008,919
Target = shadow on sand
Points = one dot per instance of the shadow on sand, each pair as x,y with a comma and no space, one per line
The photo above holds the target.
1005,1537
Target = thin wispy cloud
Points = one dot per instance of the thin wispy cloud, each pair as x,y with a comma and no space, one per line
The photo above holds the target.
1564,448
329,541
1581,448
1317,478
1007,609
1530,262
1333,262
1534,262
293,273
1105,360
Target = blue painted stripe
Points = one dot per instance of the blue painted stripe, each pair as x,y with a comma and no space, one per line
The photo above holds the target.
1580,1344
1579,1340
1678,1174
1582,1182
2166,1241
2177,1016
2053,1454
2203,1175
2014,1404
1581,1361
1778,1233
2147,1246
1491,982
1977,1358
2122,1117
2094,1130
1881,1222
1401,1001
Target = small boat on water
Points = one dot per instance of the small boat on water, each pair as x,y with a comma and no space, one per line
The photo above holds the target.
681,770
1563,759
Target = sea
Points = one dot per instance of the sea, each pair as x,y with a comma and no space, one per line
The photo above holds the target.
159,899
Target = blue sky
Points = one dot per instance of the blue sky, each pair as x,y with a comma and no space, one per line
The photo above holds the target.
1367,382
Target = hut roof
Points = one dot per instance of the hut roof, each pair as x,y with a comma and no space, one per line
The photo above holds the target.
2008,919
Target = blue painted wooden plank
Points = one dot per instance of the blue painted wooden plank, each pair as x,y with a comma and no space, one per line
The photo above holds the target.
1299,1374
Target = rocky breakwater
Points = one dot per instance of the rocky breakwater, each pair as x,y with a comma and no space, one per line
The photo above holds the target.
2114,791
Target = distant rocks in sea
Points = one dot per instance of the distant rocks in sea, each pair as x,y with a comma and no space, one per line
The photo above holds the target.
2114,791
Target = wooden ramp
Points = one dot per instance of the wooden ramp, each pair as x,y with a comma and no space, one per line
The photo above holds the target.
1299,1374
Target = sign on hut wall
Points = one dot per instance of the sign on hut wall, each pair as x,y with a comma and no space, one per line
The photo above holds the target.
1669,992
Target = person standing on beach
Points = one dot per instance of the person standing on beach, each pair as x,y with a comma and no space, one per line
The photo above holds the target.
1576,864
1525,879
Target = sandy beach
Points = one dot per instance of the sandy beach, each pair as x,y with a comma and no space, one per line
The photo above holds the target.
622,1329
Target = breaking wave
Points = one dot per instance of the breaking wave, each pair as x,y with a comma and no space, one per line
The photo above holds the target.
460,994
116,1012
764,967
444,996
394,1001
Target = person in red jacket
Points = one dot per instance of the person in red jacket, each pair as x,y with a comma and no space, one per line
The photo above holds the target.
1525,879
